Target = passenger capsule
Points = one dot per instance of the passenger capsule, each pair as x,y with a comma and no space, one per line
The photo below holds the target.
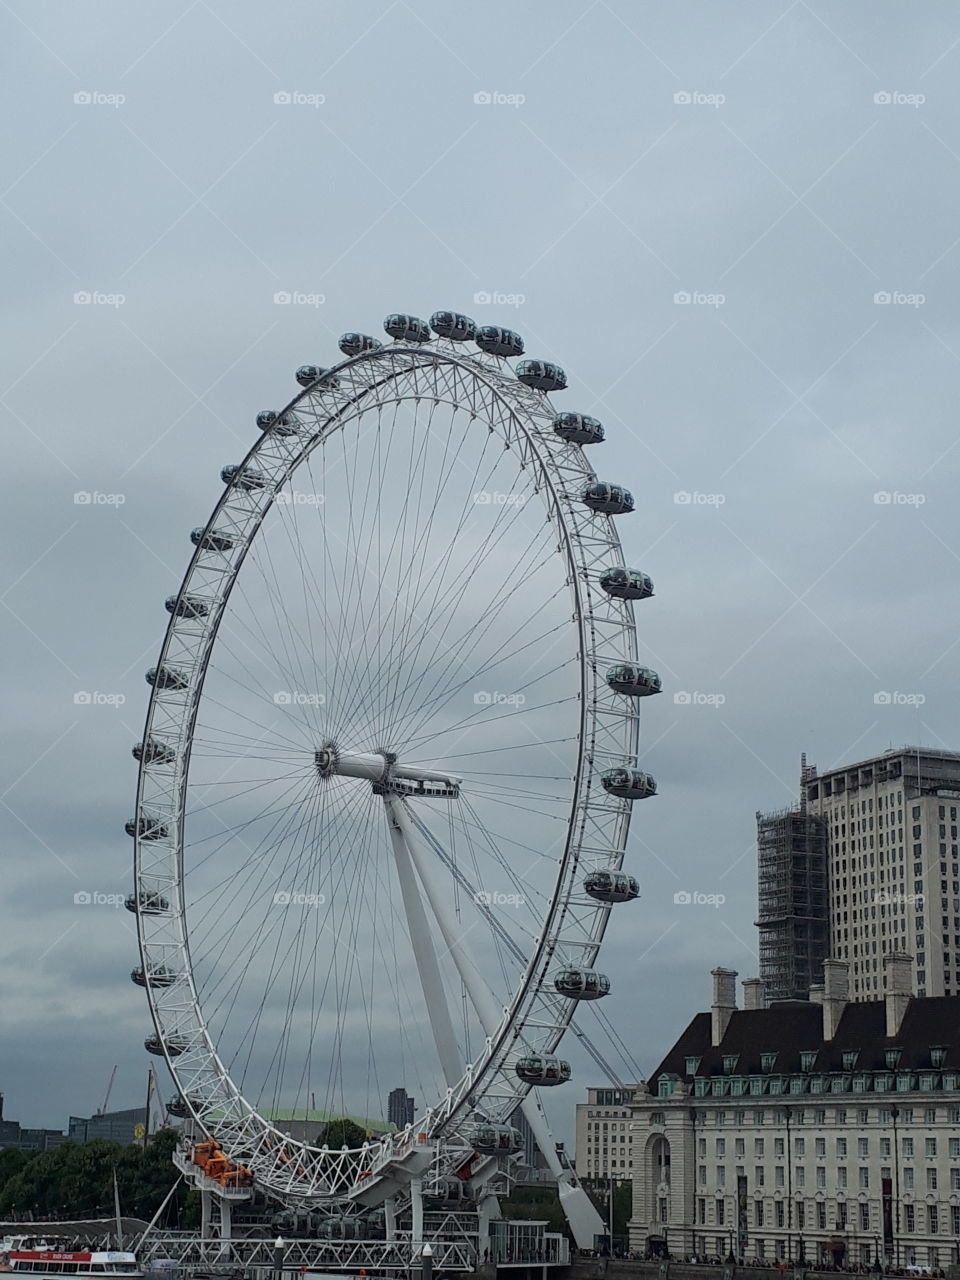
354,344
308,374
407,328
447,1192
243,477
278,424
151,751
167,678
499,342
452,325
541,375
626,584
496,1137
611,886
147,827
610,499
186,606
211,539
638,682
543,1070
147,903
161,977
175,1045
582,984
177,1107
578,428
628,784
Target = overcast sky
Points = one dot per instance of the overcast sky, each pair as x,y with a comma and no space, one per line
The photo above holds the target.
734,225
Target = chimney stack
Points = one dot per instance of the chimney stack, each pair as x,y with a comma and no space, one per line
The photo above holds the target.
754,996
897,988
836,993
724,1002
816,993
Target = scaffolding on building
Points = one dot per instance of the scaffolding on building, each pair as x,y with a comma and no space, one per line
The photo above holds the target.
793,908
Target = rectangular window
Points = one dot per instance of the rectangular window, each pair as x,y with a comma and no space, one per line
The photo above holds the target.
841,1146
841,1175
863,1147
863,1178
909,1218
721,1204
798,1176
864,1217
908,1147
758,1147
821,1146
931,1179
930,1146
778,1176
758,1213
933,1219
908,1179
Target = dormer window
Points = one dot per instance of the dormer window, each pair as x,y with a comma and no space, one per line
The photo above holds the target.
850,1057
807,1059
892,1058
938,1055
692,1066
767,1061
730,1061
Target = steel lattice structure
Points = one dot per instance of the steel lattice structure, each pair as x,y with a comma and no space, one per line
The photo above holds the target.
414,394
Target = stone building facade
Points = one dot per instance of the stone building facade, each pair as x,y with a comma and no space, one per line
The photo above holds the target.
825,1130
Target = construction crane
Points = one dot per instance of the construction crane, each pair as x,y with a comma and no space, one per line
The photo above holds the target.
103,1109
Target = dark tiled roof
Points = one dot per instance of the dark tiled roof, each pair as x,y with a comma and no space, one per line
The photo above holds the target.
791,1027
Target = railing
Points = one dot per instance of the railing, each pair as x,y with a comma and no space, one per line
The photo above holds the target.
192,1253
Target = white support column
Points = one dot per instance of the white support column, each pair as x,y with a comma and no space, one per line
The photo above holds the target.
390,1217
206,1206
226,1227
416,1210
451,1062
585,1221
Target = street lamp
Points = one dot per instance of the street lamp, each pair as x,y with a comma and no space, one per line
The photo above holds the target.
426,1262
278,1258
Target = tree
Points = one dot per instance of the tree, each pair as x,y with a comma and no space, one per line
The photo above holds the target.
343,1133
76,1180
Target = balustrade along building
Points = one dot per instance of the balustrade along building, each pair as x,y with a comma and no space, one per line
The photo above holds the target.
824,1131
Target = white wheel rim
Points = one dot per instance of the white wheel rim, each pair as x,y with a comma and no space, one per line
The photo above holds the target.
400,377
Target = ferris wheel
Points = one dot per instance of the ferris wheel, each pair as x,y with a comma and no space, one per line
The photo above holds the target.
388,765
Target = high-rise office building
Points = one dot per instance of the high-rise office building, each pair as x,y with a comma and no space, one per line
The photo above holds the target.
892,865
400,1108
